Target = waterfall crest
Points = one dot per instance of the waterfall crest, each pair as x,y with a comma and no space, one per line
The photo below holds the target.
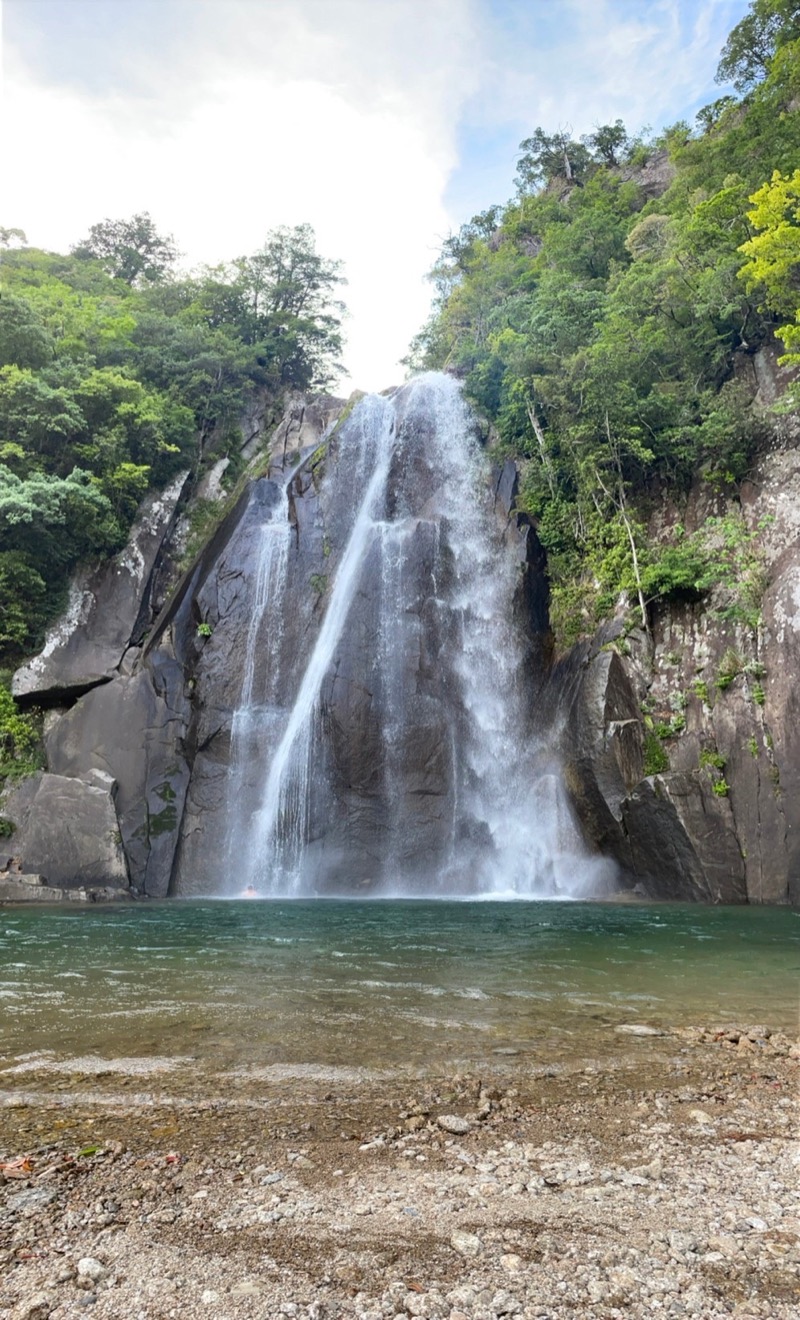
385,745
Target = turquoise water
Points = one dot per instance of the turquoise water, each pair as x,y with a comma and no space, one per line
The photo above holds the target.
382,985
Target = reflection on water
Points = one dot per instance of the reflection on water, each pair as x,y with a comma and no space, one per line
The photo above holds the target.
381,984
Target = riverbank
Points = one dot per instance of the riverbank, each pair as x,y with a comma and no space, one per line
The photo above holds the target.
658,1181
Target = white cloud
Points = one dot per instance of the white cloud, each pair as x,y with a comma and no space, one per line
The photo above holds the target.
342,114
229,117
603,59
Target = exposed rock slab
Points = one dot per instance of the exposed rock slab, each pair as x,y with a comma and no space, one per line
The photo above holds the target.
682,841
106,610
133,730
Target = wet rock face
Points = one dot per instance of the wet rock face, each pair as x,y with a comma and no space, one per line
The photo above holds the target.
389,709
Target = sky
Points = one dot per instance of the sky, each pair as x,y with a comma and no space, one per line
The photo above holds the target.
385,124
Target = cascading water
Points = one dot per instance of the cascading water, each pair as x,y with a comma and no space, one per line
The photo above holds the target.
394,754
276,850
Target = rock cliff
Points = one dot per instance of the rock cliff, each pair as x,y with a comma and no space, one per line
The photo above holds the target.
141,754
719,818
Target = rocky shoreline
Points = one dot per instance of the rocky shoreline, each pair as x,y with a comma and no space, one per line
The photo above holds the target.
19,887
662,1182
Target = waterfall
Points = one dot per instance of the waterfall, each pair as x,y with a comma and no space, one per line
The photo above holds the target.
505,786
255,713
391,751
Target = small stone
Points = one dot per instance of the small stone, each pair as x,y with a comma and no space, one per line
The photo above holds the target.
90,1271
504,1304
209,1297
638,1029
37,1307
700,1116
452,1123
247,1288
511,1263
466,1244
725,1244
31,1199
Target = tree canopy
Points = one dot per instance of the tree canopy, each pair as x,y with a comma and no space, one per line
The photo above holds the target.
116,371
130,250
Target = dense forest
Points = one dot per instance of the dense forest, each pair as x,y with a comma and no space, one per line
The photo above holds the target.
601,317
116,372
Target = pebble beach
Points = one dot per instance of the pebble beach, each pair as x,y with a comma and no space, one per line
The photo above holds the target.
658,1180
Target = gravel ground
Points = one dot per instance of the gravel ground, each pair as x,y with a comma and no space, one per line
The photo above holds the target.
660,1181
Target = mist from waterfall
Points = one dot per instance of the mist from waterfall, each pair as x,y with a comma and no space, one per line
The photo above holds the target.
419,478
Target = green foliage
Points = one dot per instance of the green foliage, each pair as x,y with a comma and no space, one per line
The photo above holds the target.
116,373
19,739
752,746
758,694
751,47
700,689
7,827
712,759
600,331
24,339
675,571
670,728
319,583
730,667
205,630
656,761
773,252
736,563
548,156
130,250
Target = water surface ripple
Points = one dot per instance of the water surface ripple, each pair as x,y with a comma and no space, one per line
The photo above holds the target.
381,985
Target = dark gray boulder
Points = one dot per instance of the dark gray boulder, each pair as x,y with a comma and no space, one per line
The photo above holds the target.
68,831
682,840
134,729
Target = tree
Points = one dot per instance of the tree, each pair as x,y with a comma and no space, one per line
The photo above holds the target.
547,156
773,254
607,141
280,300
750,49
130,250
9,237
24,340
